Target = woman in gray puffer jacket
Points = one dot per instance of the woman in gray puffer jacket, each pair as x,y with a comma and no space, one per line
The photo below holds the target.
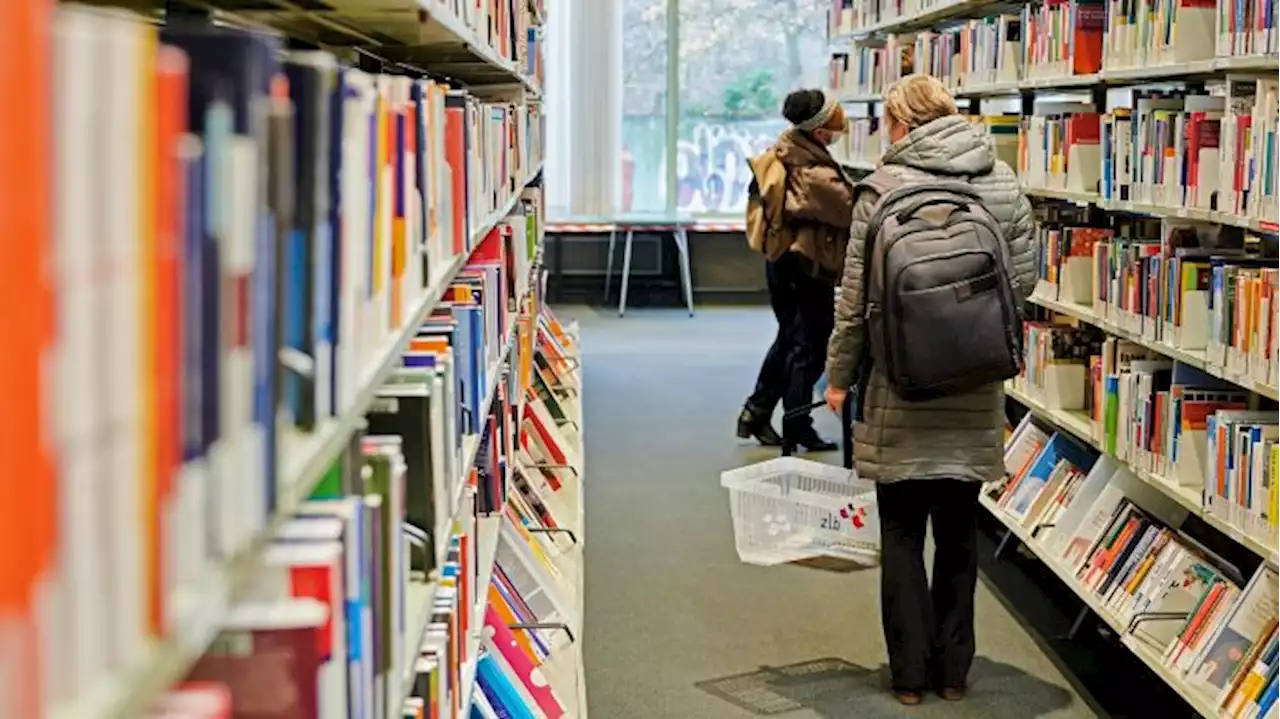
929,458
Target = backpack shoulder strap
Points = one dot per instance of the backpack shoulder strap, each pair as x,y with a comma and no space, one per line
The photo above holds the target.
882,182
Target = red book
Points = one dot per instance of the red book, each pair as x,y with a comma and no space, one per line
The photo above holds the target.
268,655
1087,36
194,700
455,155
165,262
1084,127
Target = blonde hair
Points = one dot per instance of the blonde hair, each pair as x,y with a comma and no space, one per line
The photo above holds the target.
917,100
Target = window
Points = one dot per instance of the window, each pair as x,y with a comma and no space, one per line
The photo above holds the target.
682,138
643,156
738,60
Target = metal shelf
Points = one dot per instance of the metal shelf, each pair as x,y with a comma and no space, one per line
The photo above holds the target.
1197,700
304,461
1077,424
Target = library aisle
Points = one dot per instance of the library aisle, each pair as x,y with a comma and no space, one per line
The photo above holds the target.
670,609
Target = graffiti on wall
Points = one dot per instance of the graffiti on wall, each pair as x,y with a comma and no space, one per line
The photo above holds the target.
711,164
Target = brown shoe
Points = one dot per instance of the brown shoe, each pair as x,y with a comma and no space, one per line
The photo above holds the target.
908,698
951,694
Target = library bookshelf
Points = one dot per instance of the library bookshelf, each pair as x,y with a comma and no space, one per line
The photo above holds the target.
1150,380
292,372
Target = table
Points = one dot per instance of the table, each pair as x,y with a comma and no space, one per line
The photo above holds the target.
675,226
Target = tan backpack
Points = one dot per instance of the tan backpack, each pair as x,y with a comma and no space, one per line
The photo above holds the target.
766,232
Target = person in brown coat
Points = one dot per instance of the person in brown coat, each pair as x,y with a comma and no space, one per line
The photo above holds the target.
799,217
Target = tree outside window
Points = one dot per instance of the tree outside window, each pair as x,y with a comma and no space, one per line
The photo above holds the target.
738,60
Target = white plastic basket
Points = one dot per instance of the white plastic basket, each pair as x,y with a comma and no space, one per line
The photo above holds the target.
790,509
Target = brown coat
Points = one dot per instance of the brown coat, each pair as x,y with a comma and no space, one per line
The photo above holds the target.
806,200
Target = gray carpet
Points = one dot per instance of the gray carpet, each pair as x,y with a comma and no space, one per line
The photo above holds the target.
673,619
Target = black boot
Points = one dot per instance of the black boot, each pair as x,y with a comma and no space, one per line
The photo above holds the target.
809,440
751,424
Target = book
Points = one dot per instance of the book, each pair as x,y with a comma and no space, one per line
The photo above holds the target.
267,654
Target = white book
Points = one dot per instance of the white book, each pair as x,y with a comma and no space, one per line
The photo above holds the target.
546,591
482,705
244,503
76,642
346,356
1095,512
442,489
120,120
1241,627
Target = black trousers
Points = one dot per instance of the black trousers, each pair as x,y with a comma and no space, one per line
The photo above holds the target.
928,628
805,309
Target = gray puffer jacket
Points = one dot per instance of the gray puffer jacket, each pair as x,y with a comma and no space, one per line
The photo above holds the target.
960,436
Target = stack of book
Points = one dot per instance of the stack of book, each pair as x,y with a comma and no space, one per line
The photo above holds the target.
1044,468
531,654
383,573
1162,33
862,72
1248,147
867,13
502,25
973,54
991,51
1062,39
240,241
1246,28
1058,147
864,141
840,18
1249,685
869,68
1114,541
1204,150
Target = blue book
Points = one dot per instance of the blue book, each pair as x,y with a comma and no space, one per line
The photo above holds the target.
1059,447
1267,698
465,357
196,249
231,72
417,94
502,695
333,278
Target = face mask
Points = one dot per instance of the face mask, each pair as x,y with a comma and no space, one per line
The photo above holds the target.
833,137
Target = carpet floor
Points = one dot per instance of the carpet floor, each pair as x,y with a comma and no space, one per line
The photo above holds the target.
677,627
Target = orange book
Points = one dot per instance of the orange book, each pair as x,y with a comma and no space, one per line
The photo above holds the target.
508,617
170,197
1087,37
26,313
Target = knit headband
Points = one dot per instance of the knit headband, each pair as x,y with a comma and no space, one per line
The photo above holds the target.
821,117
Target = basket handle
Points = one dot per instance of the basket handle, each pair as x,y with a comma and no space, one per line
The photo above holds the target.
846,426
801,411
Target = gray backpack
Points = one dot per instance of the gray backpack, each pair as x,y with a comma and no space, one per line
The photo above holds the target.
942,315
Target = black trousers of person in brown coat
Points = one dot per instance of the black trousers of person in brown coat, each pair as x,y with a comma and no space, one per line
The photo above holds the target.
805,309
928,627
